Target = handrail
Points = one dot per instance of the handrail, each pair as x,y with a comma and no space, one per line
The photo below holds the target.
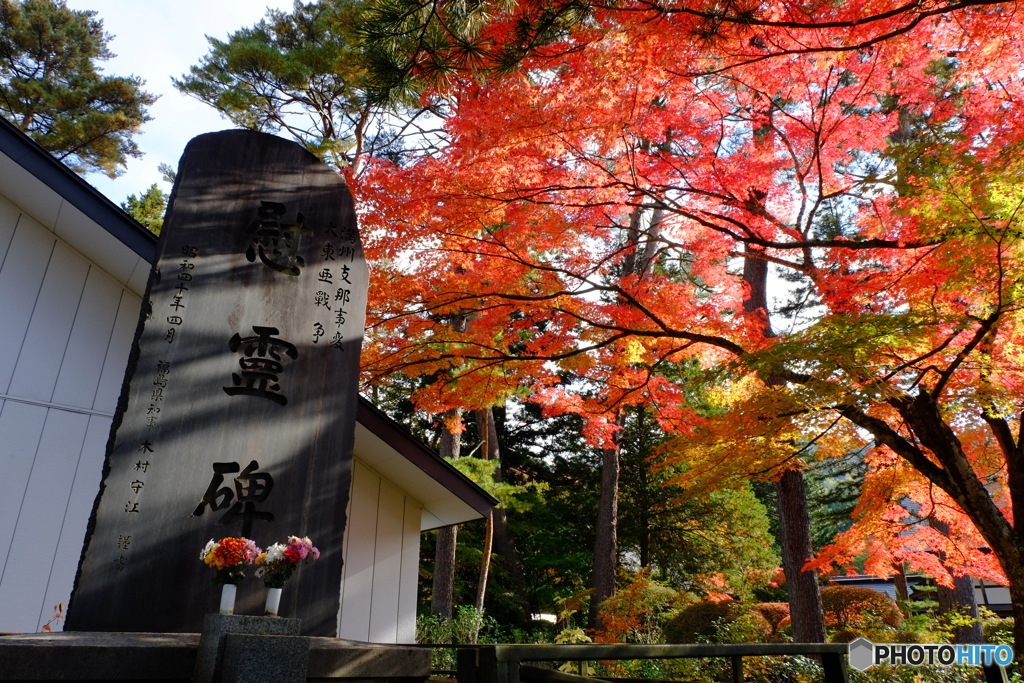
499,663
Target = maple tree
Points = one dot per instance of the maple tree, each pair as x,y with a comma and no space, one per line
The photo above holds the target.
876,164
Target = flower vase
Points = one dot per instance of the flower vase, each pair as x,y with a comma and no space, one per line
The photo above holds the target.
227,598
273,602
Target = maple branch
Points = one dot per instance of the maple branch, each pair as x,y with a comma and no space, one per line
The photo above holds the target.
749,19
864,44
979,334
896,442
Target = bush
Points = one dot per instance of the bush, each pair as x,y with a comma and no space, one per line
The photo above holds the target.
718,622
997,629
636,613
777,616
855,611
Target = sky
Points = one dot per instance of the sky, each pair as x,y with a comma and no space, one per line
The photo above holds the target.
157,40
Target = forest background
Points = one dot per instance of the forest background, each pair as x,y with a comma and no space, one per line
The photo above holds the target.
661,273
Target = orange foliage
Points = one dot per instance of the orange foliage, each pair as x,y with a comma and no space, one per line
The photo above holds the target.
586,230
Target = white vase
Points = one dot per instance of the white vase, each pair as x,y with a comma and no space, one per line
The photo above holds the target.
273,602
227,598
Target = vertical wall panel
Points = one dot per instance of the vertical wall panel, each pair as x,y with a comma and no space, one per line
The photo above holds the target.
20,278
40,519
344,549
358,569
80,371
387,562
8,222
72,534
47,338
120,346
408,586
21,427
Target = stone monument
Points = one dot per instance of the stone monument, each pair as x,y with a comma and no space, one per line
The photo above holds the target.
237,416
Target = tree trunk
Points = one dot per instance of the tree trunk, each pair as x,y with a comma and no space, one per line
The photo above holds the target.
902,587
802,586
959,599
948,468
485,563
794,522
606,543
441,598
502,543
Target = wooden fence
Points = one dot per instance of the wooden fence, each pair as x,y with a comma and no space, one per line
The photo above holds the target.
504,663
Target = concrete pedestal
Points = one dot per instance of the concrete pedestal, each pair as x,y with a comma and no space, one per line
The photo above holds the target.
242,649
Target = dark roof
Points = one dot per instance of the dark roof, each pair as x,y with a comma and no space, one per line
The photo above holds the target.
413,450
86,198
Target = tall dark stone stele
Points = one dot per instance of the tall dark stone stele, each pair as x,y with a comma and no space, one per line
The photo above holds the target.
238,411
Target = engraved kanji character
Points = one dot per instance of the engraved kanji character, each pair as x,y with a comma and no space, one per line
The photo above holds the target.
250,488
261,364
274,242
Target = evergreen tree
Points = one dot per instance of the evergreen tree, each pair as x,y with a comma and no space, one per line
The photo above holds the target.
147,208
51,86
302,73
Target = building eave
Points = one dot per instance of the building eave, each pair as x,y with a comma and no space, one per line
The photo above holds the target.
77,213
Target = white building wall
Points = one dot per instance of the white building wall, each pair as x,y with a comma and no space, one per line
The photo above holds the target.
66,327
381,558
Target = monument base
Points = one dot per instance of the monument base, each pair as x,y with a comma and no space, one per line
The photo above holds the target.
83,655
234,647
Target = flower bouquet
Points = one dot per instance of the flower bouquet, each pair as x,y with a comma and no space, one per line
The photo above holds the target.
229,557
278,564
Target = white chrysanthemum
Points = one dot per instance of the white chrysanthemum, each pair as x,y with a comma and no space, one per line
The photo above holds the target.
207,550
275,553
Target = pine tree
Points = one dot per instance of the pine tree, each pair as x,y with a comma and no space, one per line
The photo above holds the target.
147,208
51,86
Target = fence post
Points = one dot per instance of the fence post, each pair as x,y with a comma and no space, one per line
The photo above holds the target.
737,668
832,664
466,668
486,665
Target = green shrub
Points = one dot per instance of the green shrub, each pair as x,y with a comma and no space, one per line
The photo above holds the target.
998,630
717,622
